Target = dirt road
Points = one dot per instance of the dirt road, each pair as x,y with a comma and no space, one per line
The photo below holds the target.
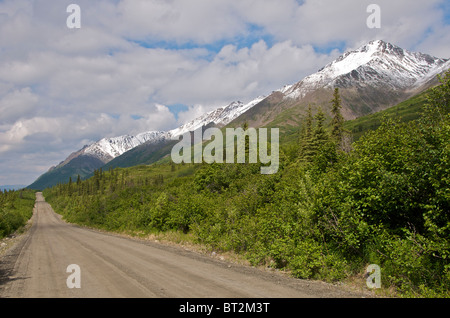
113,266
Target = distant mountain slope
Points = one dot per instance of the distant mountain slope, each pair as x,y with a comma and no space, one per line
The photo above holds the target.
81,165
405,111
151,147
147,153
372,78
110,148
220,117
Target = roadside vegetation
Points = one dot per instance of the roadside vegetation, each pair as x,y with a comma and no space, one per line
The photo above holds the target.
16,208
333,208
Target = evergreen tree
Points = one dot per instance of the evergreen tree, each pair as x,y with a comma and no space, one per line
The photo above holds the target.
313,137
306,138
309,122
97,177
247,143
320,135
337,122
70,187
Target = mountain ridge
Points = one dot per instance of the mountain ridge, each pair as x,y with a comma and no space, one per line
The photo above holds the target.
371,78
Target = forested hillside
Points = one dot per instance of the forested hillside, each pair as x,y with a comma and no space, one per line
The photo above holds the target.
332,209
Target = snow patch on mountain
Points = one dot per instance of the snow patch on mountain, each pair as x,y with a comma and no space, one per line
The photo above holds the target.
377,63
220,117
107,149
432,74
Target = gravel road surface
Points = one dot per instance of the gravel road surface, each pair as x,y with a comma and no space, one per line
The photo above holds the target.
113,266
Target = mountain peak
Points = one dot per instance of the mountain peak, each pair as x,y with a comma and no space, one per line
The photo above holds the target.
378,45
375,63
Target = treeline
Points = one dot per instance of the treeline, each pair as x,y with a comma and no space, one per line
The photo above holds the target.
101,182
333,208
16,208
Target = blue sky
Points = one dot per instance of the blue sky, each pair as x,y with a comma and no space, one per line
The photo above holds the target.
141,65
445,7
252,34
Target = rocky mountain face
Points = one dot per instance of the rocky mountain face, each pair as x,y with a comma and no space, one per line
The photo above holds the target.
110,148
220,117
377,64
374,77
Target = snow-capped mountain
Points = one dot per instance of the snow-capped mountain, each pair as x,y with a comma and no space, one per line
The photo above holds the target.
378,64
376,76
107,149
220,117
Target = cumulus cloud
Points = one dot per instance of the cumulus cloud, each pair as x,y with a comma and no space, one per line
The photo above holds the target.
200,21
245,73
17,104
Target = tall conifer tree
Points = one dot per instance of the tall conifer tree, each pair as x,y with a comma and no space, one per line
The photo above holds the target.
337,122
306,139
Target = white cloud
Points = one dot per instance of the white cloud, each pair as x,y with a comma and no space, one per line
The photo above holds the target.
245,73
17,104
201,21
437,43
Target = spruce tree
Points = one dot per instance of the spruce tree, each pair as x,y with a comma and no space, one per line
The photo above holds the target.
320,135
247,143
309,122
337,122
306,139
69,188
